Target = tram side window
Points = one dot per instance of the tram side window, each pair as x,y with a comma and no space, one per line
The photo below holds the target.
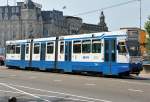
50,48
86,46
77,47
17,49
27,49
11,49
96,46
8,49
36,48
61,47
122,47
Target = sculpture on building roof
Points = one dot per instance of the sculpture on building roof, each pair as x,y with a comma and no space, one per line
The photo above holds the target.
29,4
102,22
102,18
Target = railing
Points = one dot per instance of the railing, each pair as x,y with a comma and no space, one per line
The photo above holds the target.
136,59
146,60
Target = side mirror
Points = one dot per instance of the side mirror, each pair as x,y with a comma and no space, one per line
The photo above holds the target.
118,47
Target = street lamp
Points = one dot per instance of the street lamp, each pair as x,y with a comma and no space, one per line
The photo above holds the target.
31,46
140,1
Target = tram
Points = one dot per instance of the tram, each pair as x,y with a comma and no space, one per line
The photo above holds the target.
105,52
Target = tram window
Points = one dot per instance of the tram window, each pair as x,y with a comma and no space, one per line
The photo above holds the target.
86,46
96,46
122,47
8,49
27,49
36,48
113,50
50,48
77,47
62,47
17,49
11,49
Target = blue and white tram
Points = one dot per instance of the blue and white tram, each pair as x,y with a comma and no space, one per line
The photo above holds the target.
105,53
31,53
13,53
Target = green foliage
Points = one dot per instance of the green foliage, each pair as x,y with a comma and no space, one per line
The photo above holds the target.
147,27
148,46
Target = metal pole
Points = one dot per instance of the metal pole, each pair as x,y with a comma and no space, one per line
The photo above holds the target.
140,1
7,2
140,13
31,47
14,2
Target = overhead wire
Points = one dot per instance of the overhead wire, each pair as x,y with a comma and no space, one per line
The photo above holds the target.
108,7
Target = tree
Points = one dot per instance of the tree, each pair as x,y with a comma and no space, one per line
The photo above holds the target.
147,27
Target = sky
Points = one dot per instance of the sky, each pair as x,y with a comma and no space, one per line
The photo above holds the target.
116,18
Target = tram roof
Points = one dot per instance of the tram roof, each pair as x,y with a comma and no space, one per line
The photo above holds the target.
29,40
17,41
113,33
45,39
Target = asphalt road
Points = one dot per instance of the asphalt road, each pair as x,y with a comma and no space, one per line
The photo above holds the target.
32,86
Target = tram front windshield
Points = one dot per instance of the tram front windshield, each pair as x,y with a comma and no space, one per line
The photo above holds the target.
133,48
128,46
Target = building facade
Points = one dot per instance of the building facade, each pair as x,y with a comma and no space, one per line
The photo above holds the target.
92,28
137,37
20,22
26,20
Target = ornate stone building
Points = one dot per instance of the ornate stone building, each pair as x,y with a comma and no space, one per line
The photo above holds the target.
92,28
28,20
21,21
102,24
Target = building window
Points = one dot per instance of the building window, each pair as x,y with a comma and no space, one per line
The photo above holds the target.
13,10
1,10
17,9
86,46
50,48
6,9
77,47
62,47
36,48
17,49
96,46
45,32
27,49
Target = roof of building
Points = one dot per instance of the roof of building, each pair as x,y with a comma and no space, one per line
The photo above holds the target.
90,27
72,17
48,15
129,28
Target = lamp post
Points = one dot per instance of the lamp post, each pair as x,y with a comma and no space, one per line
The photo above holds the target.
31,47
7,2
140,13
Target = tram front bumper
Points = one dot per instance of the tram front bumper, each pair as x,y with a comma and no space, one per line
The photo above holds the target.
136,68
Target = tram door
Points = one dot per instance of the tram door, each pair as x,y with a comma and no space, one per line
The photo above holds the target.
42,53
109,54
68,50
23,52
